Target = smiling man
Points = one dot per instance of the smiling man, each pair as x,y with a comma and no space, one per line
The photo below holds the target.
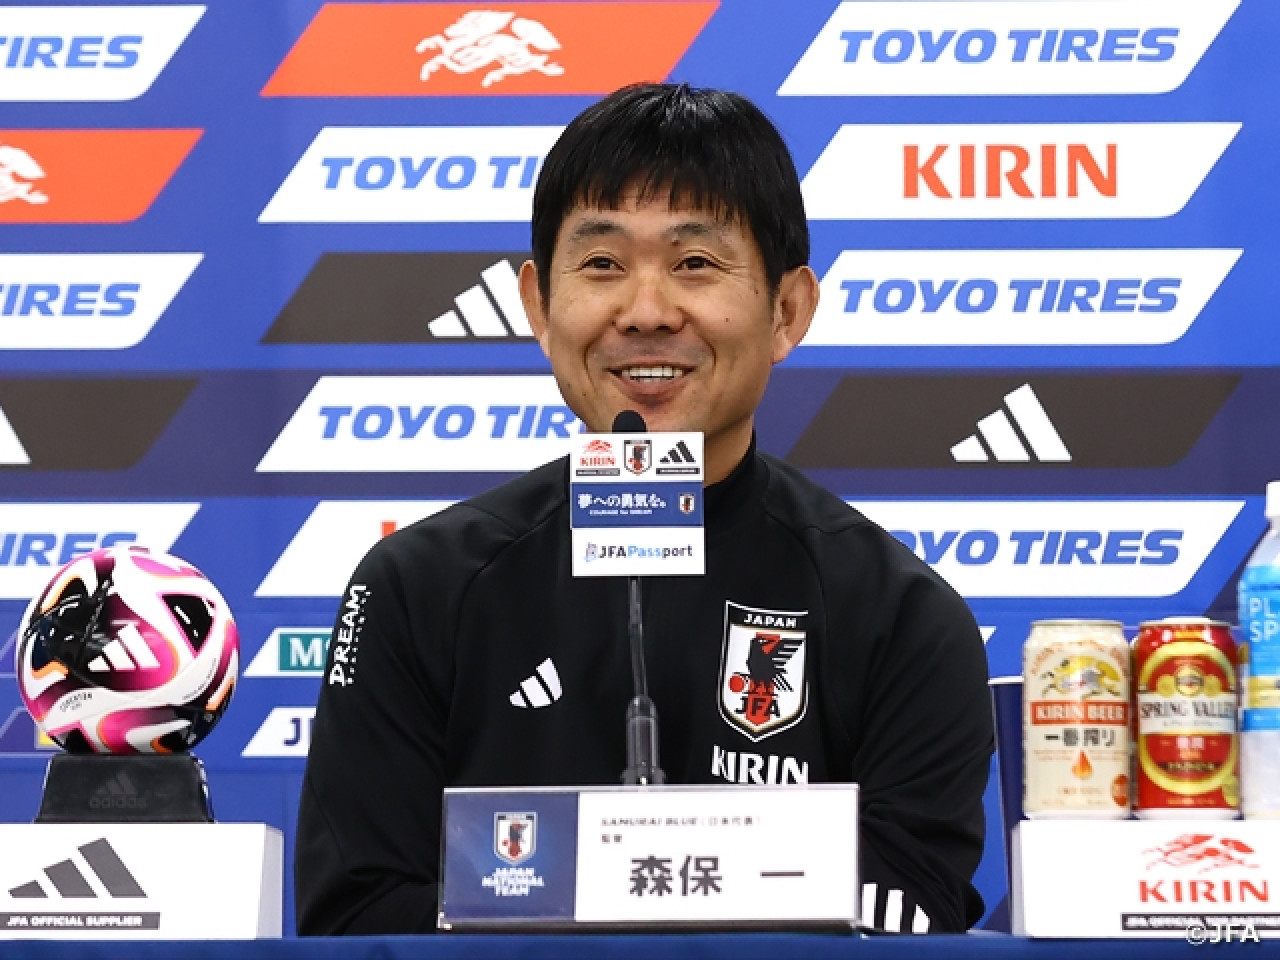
669,276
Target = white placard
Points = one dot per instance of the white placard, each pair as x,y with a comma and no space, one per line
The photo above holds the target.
89,53
1018,298
1012,171
775,855
428,424
153,881
1204,881
414,175
994,47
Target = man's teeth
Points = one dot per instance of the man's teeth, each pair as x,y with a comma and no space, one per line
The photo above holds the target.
653,373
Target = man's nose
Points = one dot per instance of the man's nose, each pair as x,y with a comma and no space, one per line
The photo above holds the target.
649,305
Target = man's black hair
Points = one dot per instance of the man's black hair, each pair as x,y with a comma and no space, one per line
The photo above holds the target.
708,149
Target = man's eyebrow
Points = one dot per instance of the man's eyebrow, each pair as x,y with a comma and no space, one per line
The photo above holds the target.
694,229
593,227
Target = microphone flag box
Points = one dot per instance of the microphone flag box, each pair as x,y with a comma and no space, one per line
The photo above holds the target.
636,504
1204,881
721,856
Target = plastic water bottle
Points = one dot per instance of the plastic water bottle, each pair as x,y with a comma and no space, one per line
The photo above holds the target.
1260,688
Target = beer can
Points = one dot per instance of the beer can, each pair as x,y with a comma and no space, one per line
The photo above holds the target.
1188,748
1076,721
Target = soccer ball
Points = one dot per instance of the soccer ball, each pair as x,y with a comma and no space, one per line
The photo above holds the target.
127,651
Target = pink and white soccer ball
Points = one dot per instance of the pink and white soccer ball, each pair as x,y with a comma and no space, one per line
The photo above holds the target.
127,651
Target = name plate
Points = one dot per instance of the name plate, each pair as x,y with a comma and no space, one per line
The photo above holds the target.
1204,881
155,881
677,856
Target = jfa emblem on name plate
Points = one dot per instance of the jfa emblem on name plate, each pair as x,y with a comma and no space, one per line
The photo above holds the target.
515,836
763,689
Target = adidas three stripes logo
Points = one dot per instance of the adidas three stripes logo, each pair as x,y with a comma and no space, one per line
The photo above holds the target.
998,439
480,310
127,650
540,690
71,882
678,454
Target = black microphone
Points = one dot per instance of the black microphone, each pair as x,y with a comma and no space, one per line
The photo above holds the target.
642,715
628,421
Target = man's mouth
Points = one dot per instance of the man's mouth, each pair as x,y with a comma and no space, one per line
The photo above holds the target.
653,374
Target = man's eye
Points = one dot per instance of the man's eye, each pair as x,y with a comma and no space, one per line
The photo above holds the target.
599,263
695,263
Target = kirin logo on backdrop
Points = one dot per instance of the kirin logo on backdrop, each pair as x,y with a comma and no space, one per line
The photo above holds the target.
1019,171
81,173
18,173
461,49
481,39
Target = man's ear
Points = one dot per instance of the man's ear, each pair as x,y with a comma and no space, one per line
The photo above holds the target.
534,307
793,310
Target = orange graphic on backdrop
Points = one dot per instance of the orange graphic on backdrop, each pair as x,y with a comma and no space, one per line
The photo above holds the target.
86,176
447,49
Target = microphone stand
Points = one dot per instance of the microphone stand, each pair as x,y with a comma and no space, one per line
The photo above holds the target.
642,716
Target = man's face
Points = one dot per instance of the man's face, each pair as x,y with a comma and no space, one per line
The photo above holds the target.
666,312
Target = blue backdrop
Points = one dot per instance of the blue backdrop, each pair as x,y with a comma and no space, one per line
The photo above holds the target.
256,297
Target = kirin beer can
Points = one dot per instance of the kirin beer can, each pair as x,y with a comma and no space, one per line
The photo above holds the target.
1076,720
1188,749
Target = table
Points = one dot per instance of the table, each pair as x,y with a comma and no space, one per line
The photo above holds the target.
718,946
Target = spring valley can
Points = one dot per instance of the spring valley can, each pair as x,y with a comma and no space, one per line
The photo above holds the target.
1076,720
1188,749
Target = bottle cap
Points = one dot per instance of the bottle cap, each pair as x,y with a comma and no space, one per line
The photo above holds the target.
1273,500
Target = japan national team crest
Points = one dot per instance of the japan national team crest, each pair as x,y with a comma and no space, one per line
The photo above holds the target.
515,836
637,455
763,688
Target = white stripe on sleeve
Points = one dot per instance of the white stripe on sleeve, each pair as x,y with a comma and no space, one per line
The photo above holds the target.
920,922
893,911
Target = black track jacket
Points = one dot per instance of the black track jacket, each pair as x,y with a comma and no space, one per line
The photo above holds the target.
465,654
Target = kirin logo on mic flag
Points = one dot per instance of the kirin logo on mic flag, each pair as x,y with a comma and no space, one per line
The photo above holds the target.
515,836
763,689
